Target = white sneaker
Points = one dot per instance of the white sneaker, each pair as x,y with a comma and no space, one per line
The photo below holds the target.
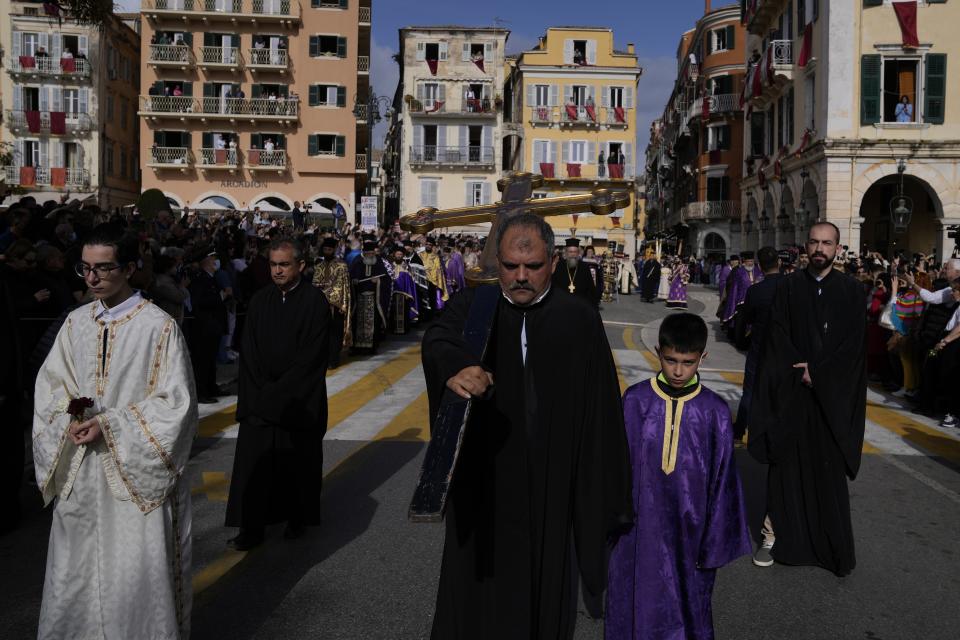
900,393
949,420
763,557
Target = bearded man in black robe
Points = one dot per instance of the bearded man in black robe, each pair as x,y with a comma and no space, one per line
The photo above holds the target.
808,411
543,466
575,276
281,404
372,288
649,278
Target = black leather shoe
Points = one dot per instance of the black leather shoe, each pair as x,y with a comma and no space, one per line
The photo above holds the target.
294,530
205,400
246,540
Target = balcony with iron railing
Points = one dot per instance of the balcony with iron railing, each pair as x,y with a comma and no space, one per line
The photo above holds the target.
576,115
56,123
267,160
253,11
472,107
282,110
760,15
711,210
585,171
721,103
219,158
178,56
46,66
471,156
46,176
366,15
220,58
360,163
170,157
268,60
611,117
363,65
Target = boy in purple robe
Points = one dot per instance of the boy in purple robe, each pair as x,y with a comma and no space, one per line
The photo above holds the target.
690,515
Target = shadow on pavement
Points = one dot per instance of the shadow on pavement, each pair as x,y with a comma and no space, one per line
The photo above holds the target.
244,599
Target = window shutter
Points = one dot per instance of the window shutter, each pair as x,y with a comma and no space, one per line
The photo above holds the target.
872,3
418,137
82,44
708,40
568,51
731,38
256,140
442,93
44,98
313,145
627,160
468,195
17,44
628,98
313,98
935,88
552,149
17,97
341,96
57,149
464,140
420,92
486,193
341,47
564,152
44,41
567,94
531,95
421,51
605,96
343,4
591,152
84,100
314,46
255,91
208,90
341,146
870,67
488,52
44,153
444,51
442,136
816,9
58,99
486,141
554,95
206,140
591,52
465,52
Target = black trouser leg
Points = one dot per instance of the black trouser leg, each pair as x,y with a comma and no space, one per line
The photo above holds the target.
336,338
11,460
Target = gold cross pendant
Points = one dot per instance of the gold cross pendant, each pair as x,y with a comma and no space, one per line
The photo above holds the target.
572,288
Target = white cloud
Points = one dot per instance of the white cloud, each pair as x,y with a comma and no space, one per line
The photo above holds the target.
656,84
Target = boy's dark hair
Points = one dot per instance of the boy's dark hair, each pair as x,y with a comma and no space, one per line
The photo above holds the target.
125,245
767,257
683,332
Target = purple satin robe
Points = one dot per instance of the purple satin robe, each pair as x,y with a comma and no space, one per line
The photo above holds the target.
677,298
689,522
456,280
403,284
742,279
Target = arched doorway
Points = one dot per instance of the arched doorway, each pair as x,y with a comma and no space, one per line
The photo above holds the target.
714,248
877,232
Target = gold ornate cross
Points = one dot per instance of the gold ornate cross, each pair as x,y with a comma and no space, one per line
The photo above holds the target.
517,190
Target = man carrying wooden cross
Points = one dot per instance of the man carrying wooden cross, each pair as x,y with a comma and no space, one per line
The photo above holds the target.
543,467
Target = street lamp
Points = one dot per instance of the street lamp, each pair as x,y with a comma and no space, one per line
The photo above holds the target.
748,225
783,220
372,112
901,206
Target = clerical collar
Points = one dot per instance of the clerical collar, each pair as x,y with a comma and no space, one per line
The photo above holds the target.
532,304
109,314
692,386
284,294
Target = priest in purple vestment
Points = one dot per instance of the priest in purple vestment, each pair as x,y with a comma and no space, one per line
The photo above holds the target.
690,512
740,280
456,280
723,279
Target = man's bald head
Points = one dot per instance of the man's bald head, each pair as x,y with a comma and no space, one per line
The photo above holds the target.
824,223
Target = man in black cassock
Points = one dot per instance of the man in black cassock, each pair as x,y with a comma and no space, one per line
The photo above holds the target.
372,288
650,278
575,277
808,411
282,404
543,467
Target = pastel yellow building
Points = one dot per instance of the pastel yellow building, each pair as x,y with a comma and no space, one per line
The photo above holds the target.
845,114
572,118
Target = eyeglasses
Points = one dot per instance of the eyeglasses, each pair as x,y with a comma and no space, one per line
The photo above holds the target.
102,270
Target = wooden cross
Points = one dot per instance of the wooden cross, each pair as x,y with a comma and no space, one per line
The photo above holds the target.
449,426
517,190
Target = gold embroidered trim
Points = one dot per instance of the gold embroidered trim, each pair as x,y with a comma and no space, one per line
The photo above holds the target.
154,374
167,460
144,505
671,426
177,558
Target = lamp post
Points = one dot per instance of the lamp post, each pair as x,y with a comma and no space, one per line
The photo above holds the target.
901,206
372,108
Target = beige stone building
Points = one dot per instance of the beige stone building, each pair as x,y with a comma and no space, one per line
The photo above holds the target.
445,139
69,106
250,103
826,139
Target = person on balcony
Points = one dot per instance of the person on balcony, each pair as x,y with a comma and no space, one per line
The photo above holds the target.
601,168
903,112
41,53
471,100
67,54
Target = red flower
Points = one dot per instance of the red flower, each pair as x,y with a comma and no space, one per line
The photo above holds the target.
78,406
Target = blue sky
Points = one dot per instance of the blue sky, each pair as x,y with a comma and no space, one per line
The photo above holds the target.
654,27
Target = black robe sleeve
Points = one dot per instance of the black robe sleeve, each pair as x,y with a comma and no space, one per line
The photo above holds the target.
445,351
603,501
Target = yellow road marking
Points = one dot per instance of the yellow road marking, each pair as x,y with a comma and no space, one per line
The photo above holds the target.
630,344
215,485
216,569
411,424
346,402
217,422
735,377
869,448
620,378
926,438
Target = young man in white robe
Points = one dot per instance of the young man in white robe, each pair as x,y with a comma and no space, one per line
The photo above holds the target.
118,564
